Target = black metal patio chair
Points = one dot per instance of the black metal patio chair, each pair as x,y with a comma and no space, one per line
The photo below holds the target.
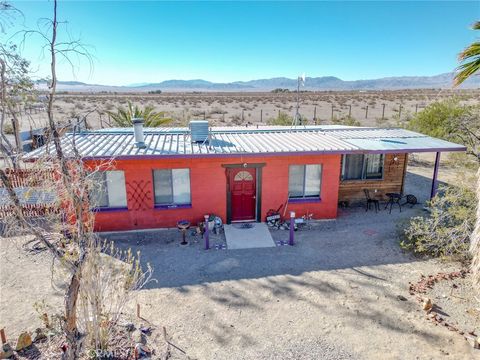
371,201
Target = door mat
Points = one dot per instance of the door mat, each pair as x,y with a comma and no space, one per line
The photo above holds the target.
243,226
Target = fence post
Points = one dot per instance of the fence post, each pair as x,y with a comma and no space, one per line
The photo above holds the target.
261,115
416,108
291,240
204,115
350,110
383,112
278,112
315,115
332,113
242,116
399,112
366,112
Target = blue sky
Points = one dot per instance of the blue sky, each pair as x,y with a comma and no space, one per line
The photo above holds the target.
136,42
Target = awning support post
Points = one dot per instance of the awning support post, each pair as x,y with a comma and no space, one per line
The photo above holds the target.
435,175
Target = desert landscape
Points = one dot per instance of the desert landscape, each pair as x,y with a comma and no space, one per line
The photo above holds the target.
371,108
239,180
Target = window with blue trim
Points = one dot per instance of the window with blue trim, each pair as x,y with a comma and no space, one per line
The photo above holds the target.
172,186
109,191
304,181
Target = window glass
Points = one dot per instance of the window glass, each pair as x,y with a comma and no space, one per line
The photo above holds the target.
109,190
172,186
353,167
304,181
181,186
162,180
374,166
99,195
313,174
117,195
243,175
359,166
295,180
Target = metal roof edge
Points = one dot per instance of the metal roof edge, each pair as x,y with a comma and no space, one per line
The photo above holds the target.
273,154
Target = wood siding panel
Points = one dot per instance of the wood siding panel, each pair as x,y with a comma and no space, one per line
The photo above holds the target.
393,179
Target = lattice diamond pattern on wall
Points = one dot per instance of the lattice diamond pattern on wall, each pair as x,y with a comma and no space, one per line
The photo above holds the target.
139,194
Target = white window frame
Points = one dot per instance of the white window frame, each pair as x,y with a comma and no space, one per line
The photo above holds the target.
172,189
109,191
311,197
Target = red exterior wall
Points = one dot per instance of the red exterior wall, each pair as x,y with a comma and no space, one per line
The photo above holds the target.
208,190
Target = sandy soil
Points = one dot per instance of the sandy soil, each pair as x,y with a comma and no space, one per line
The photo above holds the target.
252,108
334,295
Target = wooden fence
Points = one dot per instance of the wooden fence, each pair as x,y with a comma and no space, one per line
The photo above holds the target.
28,178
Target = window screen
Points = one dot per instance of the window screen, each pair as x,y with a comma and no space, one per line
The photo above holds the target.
172,186
109,189
295,180
117,195
374,166
304,181
353,167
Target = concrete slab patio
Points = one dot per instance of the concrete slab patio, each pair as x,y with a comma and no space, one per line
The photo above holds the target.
248,236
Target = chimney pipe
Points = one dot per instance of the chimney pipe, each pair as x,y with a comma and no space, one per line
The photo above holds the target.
138,132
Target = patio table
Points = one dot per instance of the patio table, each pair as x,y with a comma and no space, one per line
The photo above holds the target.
394,198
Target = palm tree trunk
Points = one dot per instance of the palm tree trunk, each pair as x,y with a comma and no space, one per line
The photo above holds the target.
475,242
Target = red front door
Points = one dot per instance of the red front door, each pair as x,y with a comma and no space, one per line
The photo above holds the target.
243,193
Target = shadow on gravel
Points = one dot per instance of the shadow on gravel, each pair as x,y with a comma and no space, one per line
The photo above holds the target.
356,239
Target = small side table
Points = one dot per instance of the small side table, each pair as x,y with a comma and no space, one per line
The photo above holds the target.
393,198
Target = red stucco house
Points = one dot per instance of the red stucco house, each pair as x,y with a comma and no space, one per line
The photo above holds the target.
162,175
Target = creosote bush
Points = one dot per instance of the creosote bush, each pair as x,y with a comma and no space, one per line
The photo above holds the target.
282,119
347,121
446,231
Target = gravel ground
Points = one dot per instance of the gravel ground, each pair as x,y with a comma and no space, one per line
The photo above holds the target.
454,300
332,296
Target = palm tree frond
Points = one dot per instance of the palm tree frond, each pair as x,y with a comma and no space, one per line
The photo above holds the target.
123,116
470,57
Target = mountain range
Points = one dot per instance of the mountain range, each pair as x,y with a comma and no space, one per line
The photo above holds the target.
442,81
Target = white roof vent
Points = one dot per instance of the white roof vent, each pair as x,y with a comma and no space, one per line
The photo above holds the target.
138,132
199,131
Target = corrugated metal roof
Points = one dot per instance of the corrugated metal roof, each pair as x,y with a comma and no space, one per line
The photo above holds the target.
119,142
